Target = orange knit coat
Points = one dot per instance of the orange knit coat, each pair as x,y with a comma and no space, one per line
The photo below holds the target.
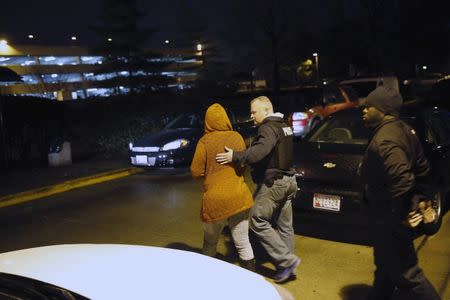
225,192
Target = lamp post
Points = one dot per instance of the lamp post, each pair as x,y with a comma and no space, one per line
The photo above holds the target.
199,49
316,57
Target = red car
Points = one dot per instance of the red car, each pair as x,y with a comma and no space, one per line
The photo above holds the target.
307,106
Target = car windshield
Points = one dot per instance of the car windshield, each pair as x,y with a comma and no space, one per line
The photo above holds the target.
186,120
341,130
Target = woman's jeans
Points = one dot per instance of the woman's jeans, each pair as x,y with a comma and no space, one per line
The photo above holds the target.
239,232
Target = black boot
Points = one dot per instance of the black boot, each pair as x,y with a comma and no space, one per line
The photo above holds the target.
249,264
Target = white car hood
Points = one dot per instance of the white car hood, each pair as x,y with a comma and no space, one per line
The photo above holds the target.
136,272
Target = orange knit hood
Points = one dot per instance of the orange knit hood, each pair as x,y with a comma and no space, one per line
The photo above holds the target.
216,119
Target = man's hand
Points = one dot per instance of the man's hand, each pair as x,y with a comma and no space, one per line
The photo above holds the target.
427,211
225,157
413,219
429,215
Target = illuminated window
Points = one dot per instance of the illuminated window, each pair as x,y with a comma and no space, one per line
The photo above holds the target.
17,60
59,60
101,92
91,60
61,78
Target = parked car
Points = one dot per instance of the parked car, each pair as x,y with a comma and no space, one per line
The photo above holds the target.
440,93
307,106
109,272
174,145
327,162
420,88
364,85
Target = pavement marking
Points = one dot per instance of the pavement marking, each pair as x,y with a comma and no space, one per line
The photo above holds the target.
46,191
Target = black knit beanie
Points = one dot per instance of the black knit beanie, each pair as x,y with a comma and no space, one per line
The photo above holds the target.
386,100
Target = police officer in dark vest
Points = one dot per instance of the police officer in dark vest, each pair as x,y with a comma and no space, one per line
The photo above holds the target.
271,158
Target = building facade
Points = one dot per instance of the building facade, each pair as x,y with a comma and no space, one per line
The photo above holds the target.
70,73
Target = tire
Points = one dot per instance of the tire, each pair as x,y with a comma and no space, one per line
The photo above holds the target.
438,205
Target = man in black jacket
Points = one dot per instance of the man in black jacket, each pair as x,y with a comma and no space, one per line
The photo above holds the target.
271,158
395,171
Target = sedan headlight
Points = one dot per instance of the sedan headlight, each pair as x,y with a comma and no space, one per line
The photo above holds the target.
130,145
180,143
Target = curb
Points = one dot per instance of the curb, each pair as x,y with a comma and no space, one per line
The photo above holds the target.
46,191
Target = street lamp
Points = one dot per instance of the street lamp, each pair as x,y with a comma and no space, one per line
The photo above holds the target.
316,57
199,50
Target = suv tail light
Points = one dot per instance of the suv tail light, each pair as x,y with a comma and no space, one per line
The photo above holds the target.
299,122
299,119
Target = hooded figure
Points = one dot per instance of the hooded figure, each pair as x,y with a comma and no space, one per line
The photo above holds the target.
225,192
226,197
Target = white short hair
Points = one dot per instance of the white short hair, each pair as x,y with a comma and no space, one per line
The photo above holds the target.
265,102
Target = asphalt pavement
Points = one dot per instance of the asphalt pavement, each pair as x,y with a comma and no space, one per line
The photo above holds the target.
29,183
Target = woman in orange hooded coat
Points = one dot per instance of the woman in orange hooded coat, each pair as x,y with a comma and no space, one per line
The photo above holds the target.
226,196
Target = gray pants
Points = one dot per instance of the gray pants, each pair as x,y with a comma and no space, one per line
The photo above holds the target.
271,220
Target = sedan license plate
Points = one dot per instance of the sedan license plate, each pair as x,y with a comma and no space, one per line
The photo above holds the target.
327,202
141,159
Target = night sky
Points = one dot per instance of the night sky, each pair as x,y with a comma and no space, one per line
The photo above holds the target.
55,21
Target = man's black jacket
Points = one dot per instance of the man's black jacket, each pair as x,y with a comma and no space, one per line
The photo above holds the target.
394,169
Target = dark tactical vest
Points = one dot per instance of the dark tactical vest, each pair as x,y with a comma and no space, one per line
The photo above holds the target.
280,160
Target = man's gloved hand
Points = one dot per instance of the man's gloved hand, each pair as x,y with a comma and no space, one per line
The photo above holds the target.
413,219
427,211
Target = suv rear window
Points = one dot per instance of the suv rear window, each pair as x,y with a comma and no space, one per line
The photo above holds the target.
363,88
